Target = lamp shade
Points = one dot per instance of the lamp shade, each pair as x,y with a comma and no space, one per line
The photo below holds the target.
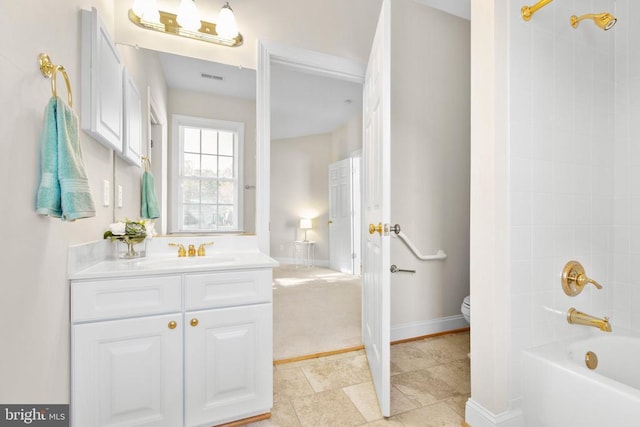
226,26
188,16
305,223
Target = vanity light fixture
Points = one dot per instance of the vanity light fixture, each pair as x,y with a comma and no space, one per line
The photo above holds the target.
528,11
187,23
604,20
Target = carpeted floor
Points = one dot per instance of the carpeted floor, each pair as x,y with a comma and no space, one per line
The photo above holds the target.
315,310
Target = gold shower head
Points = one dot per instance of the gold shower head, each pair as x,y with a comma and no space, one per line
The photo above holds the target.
604,20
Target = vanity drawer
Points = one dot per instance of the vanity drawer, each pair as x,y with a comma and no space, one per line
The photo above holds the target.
227,289
108,299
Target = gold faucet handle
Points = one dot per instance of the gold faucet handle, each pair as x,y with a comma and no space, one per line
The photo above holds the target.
181,251
192,250
574,279
201,250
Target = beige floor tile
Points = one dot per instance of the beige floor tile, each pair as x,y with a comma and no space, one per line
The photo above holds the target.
385,422
399,402
337,373
458,403
456,374
406,357
364,398
289,383
446,348
422,388
329,408
436,415
282,415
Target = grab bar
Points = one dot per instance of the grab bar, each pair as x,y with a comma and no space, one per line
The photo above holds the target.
438,256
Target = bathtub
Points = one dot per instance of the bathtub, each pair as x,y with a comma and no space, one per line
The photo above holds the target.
559,389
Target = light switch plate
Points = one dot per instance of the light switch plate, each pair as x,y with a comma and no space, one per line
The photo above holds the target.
120,196
105,193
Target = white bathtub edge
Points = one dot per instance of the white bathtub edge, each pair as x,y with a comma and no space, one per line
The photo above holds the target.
477,416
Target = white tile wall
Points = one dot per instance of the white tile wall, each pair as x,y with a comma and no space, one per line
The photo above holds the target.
563,173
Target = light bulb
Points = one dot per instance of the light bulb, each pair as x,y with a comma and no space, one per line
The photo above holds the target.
226,26
146,10
188,16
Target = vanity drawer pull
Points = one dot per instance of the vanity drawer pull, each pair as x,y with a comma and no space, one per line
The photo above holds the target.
172,325
194,322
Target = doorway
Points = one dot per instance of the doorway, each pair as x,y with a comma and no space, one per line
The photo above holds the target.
315,121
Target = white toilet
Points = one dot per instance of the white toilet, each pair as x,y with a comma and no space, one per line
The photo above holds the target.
465,309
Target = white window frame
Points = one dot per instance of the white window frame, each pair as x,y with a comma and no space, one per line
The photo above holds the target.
178,121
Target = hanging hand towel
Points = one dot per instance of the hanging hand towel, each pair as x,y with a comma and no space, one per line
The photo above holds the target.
76,200
48,197
149,206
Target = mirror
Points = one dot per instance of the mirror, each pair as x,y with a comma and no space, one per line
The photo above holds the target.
200,125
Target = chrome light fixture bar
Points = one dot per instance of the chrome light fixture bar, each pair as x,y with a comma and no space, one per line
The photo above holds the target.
169,25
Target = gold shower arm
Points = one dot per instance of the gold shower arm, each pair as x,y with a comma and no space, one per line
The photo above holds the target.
604,20
528,11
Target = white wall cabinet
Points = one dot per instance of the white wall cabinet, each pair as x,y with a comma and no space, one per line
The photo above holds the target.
134,337
101,83
132,139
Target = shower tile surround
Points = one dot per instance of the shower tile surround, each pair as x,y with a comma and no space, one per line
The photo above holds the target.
574,170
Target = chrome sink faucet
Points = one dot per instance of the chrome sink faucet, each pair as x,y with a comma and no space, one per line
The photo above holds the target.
579,318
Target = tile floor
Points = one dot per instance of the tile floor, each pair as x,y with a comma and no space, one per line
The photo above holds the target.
430,384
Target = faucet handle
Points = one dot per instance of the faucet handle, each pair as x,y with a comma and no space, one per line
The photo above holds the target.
192,250
574,279
181,251
201,251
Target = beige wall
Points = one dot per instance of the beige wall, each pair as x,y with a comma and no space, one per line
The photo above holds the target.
347,139
34,306
430,134
210,106
300,188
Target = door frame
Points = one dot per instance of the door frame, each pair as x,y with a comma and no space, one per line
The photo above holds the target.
303,60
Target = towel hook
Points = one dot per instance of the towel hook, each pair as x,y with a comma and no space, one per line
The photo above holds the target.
146,163
49,70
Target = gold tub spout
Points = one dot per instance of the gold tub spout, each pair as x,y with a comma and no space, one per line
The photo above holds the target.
579,318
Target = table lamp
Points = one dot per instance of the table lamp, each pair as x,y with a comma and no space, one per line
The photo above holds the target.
305,224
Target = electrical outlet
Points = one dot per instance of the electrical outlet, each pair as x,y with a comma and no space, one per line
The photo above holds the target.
106,197
120,196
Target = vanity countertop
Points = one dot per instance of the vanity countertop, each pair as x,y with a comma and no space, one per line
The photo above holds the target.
164,264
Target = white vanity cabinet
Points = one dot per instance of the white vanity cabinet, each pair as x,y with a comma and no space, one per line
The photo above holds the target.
188,349
228,346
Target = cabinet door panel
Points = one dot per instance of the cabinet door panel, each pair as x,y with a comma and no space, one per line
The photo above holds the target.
101,82
127,372
228,364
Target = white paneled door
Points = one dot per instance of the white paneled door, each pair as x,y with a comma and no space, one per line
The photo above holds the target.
341,238
376,184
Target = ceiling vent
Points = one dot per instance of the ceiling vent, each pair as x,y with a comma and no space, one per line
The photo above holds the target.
211,76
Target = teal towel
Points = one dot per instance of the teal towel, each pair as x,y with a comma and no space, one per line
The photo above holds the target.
76,197
149,206
48,197
64,188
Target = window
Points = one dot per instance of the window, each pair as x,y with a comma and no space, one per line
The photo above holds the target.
207,175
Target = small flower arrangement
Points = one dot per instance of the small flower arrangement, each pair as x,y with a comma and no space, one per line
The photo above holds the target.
131,233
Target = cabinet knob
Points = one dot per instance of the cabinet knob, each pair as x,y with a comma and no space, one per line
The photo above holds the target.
172,325
194,322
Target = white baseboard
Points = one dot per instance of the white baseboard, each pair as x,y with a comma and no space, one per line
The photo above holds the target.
405,331
477,416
